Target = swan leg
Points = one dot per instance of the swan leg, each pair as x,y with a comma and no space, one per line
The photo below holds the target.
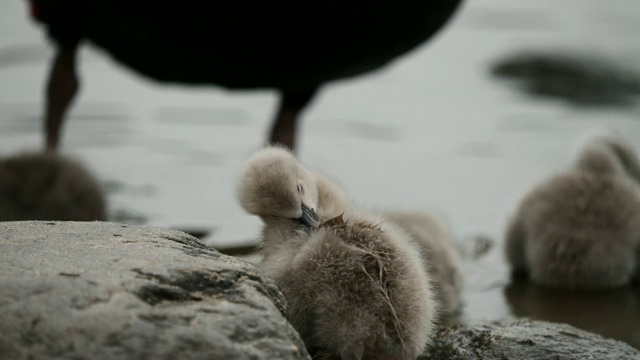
292,103
61,90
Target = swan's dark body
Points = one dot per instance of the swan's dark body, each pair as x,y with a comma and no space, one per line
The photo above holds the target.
293,46
248,44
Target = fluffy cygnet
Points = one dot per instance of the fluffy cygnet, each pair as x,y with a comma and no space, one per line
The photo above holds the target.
581,228
354,284
431,234
332,199
443,259
46,186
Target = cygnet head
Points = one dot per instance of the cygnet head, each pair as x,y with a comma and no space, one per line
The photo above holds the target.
598,159
604,151
274,184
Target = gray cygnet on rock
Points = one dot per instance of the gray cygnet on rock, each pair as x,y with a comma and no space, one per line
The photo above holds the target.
430,233
354,283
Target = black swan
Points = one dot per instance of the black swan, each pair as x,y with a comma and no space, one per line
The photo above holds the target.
292,46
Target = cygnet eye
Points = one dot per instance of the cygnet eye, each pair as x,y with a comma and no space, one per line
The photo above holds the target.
300,189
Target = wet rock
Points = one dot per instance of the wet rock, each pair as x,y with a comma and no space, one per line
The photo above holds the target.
616,316
581,80
525,339
102,290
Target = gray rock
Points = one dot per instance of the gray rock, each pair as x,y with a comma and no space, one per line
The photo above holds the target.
101,290
525,339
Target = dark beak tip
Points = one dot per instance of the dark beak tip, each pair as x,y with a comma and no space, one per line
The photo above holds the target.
309,217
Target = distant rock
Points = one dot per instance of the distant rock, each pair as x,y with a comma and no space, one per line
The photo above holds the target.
582,80
525,339
102,290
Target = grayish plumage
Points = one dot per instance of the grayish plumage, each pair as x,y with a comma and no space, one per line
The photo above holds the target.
354,283
581,228
332,199
443,259
430,233
46,186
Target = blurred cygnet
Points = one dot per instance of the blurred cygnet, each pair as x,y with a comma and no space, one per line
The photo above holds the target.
437,246
581,228
354,284
46,186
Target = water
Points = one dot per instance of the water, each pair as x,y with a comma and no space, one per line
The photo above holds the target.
434,130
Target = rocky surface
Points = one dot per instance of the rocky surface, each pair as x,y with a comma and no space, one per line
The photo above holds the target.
101,290
525,339
88,290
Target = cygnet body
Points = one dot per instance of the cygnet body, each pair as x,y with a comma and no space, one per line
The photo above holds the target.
46,186
430,233
354,284
443,258
581,228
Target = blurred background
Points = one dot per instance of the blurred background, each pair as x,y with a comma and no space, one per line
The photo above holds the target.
463,125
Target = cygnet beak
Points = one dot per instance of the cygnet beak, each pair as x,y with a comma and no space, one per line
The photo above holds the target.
309,218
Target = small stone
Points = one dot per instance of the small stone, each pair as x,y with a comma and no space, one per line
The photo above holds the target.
525,339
